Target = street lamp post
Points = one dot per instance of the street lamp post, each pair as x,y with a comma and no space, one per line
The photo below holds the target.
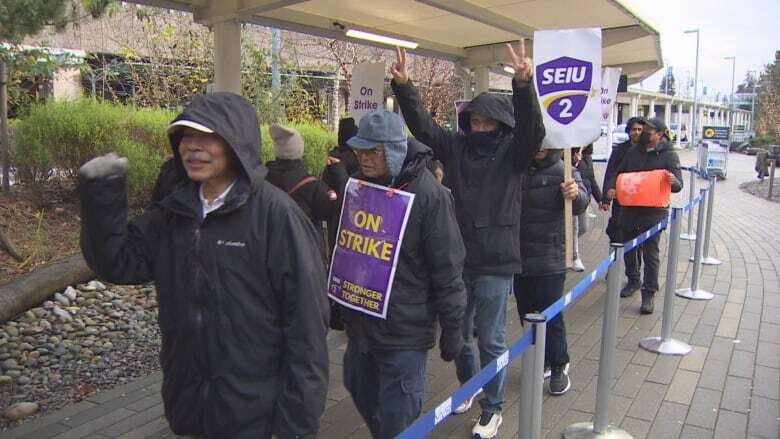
754,75
695,90
733,60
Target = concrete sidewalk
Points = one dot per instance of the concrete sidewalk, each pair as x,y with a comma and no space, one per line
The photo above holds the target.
727,387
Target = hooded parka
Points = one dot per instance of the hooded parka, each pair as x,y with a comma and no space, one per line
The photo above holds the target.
484,170
243,311
542,224
428,280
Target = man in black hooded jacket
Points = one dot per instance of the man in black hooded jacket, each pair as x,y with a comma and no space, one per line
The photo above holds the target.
243,310
653,152
484,169
632,259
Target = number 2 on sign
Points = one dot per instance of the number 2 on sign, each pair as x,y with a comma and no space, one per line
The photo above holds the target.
566,104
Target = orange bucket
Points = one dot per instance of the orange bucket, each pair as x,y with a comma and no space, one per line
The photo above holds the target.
644,189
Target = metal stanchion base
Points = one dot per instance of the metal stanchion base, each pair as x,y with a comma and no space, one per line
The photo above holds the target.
688,236
709,260
584,430
694,294
665,347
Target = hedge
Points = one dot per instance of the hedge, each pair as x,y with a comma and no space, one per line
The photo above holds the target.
56,138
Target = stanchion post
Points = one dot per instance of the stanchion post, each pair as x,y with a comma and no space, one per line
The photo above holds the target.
600,427
772,165
690,236
694,293
540,336
665,344
706,258
532,375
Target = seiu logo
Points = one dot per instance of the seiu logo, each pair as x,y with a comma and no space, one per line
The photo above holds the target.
564,85
563,75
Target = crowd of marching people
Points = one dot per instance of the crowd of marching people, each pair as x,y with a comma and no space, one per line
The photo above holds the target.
238,254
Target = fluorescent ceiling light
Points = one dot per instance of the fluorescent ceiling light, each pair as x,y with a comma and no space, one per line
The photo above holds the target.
353,33
509,70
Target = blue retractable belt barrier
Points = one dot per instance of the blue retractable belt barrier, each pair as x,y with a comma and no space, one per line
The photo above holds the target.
426,423
430,420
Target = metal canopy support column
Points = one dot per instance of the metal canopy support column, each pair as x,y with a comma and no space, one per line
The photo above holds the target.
227,56
680,122
465,76
481,80
668,113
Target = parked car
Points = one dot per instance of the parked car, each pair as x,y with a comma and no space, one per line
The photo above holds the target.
619,134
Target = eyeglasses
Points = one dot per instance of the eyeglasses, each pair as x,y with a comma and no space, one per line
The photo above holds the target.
373,152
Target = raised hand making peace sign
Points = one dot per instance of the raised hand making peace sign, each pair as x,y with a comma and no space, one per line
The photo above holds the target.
398,68
522,65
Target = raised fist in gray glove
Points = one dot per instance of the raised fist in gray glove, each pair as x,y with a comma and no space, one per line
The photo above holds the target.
104,166
450,343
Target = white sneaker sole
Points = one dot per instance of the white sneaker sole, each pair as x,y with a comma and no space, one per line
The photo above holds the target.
459,410
495,434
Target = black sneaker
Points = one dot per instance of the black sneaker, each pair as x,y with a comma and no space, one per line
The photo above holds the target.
631,287
647,302
559,381
487,426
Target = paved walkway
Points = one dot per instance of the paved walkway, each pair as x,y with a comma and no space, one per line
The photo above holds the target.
727,387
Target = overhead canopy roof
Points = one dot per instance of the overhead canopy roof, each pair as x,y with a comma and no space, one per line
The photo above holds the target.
470,32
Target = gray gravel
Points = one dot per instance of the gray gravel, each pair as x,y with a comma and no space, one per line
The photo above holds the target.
82,341
761,190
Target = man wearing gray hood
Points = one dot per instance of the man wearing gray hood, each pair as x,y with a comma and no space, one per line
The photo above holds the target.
244,352
484,169
384,366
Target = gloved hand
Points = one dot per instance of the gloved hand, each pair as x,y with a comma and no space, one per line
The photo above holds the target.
104,166
450,343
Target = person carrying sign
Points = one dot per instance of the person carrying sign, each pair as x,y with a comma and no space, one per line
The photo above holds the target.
632,259
542,241
243,310
384,365
653,152
484,168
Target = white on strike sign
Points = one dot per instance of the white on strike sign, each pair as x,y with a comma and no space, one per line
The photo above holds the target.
367,91
610,77
567,77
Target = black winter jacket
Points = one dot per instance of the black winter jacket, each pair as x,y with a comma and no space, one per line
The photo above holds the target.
428,278
585,166
542,224
615,159
243,309
614,231
484,170
638,158
312,197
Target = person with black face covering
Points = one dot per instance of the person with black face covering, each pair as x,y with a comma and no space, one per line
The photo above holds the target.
653,152
484,169
634,258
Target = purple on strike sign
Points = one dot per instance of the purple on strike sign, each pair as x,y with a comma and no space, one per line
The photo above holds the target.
564,84
371,229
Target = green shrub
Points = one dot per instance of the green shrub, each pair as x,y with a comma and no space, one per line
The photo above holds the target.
56,138
762,141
